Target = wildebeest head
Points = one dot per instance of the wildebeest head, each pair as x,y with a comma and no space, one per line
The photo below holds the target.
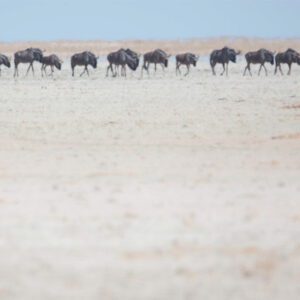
93,61
90,58
269,57
4,60
166,62
7,62
295,57
135,56
162,57
133,63
132,53
232,55
228,54
194,59
37,54
58,64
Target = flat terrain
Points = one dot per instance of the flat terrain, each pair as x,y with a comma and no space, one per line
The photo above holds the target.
165,187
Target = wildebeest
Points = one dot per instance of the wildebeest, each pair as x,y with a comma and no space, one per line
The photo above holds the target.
186,59
155,57
122,58
288,57
27,56
4,60
223,56
83,59
52,61
259,57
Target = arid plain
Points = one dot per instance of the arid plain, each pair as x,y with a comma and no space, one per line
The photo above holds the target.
157,188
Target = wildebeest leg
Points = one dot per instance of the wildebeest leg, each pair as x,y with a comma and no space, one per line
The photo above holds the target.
213,69
155,67
266,71
227,69
32,69
177,68
275,71
163,68
42,68
28,69
224,69
188,70
107,70
260,69
280,69
0,71
16,70
116,73
290,69
85,70
247,68
73,69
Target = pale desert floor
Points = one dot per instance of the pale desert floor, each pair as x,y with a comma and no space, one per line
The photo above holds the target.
175,188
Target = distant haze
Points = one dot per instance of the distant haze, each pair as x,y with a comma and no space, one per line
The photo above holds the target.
156,19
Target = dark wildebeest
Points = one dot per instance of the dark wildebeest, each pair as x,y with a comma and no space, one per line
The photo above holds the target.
223,56
155,57
186,59
83,59
259,57
288,57
27,56
4,60
122,58
52,61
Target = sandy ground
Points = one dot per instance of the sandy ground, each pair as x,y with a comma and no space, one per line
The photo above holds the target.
198,46
163,188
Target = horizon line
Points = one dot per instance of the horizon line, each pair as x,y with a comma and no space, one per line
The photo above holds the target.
153,39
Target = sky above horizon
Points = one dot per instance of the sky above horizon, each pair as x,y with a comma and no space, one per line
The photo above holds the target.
23,20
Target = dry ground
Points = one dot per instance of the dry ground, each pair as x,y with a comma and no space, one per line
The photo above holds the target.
198,46
162,188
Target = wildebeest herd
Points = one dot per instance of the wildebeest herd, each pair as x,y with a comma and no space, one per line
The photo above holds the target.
127,58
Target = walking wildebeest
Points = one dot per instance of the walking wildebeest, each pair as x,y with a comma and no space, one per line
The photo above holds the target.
288,57
52,61
4,60
186,59
27,56
259,57
155,57
122,58
223,56
83,59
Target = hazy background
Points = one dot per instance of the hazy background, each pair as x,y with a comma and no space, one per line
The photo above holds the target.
155,19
